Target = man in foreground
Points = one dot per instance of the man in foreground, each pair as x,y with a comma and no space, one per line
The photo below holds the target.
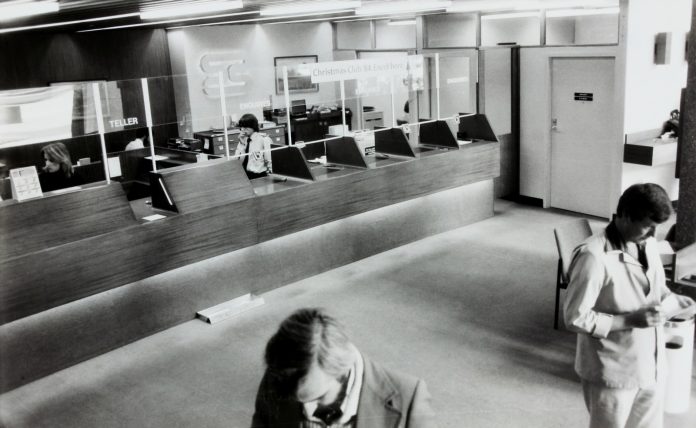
315,377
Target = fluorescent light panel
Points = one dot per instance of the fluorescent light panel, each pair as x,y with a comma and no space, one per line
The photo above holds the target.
241,21
169,21
22,9
402,22
510,15
309,7
500,5
581,12
491,5
60,24
296,21
387,8
185,9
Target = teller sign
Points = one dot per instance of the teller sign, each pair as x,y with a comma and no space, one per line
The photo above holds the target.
25,183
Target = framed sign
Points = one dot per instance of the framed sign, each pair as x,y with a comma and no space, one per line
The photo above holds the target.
298,80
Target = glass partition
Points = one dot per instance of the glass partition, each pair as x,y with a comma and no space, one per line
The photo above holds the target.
315,108
457,83
423,89
55,130
157,123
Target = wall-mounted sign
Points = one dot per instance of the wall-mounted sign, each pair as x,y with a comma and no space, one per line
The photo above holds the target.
235,79
583,96
410,67
123,122
255,104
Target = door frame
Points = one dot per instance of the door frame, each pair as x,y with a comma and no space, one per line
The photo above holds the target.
617,131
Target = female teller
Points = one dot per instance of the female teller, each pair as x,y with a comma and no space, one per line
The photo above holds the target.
254,146
58,172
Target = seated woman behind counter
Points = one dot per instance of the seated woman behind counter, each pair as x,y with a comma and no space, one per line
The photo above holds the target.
58,172
256,145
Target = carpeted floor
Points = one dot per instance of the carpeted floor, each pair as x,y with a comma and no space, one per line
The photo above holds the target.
470,311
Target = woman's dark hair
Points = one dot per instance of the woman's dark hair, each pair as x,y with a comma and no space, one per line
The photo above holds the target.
406,107
142,133
646,200
58,153
306,336
249,121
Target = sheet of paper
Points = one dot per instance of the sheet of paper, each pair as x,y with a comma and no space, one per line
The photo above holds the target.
114,167
154,217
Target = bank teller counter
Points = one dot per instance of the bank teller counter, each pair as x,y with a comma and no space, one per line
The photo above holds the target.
303,193
213,209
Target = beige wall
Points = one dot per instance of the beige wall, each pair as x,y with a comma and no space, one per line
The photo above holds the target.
652,90
257,46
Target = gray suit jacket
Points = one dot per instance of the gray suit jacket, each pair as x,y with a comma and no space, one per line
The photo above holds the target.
387,400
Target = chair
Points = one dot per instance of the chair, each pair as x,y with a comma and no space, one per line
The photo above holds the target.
568,236
681,270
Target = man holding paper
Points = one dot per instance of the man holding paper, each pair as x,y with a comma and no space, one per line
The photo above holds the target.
617,302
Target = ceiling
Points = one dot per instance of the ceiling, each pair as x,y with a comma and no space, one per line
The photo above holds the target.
78,10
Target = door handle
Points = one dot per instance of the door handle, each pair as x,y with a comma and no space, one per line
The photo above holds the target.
554,124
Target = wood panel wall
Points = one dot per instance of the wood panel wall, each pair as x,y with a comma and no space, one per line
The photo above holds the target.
37,59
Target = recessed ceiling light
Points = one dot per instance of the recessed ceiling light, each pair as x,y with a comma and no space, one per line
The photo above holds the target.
185,9
22,8
510,15
169,21
308,7
401,6
65,23
581,12
401,22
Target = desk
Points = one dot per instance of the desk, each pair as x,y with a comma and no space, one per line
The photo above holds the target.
314,127
651,152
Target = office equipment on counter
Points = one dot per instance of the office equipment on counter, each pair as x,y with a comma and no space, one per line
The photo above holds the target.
214,140
437,134
190,144
372,119
298,108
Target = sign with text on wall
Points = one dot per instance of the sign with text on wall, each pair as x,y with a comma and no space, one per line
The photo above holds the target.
583,96
406,67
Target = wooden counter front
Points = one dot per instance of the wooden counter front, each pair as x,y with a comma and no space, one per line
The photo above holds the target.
40,279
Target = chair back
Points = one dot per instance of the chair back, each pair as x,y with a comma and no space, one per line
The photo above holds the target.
685,262
568,236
